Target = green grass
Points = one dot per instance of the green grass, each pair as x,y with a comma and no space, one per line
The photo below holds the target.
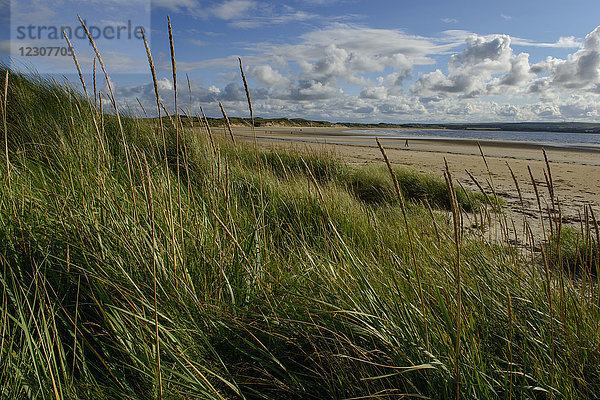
370,184
574,250
292,280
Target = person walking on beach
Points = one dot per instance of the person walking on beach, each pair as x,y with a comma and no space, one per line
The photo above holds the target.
406,143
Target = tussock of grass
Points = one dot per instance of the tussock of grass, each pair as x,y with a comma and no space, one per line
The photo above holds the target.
370,184
374,184
575,251
290,278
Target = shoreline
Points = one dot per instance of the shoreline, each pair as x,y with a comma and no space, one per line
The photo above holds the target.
339,137
365,141
352,136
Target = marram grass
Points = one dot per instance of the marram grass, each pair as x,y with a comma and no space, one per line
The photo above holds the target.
277,274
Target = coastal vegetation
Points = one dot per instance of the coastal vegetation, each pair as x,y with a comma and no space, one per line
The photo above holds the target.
144,258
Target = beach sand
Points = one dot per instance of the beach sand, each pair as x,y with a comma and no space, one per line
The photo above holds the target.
575,173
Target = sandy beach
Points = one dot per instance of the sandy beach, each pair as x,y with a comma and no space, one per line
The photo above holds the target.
575,173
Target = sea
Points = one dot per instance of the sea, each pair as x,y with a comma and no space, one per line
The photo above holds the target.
582,141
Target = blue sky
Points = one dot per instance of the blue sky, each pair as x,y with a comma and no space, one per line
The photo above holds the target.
345,60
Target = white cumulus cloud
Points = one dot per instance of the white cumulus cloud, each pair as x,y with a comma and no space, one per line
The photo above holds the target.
580,70
347,72
267,76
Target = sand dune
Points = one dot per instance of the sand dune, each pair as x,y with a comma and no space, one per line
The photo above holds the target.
575,173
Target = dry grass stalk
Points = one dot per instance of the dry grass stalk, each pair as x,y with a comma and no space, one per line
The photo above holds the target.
76,105
174,73
189,117
174,70
4,118
555,203
516,182
457,236
167,114
593,215
162,131
76,64
91,39
93,109
502,223
517,253
247,92
551,218
207,127
258,166
410,240
173,64
114,103
485,214
227,123
539,202
153,71
191,113
101,112
251,118
476,182
177,145
94,81
472,205
208,130
285,173
435,226
550,182
517,186
142,107
249,103
226,189
100,141
185,114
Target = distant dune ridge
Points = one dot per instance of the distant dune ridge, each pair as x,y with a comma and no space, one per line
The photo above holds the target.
578,127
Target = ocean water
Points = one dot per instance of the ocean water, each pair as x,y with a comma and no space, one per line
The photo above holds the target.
587,141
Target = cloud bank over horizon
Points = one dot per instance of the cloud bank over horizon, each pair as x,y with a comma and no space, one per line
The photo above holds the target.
344,69
349,73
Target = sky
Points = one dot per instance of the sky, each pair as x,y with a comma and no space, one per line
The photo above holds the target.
335,60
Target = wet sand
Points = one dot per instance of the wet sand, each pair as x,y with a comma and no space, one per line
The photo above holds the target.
575,172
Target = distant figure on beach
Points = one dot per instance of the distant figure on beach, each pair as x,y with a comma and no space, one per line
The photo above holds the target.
406,143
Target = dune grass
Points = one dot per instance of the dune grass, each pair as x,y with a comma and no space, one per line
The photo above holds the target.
271,274
575,250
